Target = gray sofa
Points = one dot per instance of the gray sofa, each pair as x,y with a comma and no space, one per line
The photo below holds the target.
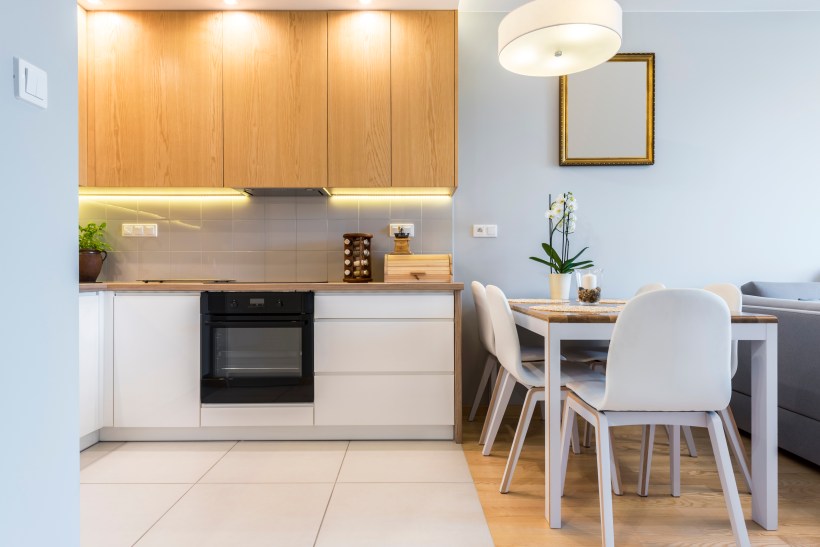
797,307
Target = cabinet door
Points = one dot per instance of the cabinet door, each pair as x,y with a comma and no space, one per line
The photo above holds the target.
423,91
82,93
156,360
275,99
359,99
157,98
91,354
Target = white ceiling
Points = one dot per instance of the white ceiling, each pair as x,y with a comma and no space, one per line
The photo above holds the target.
461,5
269,5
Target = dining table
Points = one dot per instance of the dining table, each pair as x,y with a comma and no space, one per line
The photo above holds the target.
561,321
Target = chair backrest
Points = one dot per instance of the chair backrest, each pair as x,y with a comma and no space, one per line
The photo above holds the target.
649,288
734,299
670,352
485,323
507,345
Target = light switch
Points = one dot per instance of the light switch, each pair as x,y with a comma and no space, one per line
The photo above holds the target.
30,83
139,230
485,230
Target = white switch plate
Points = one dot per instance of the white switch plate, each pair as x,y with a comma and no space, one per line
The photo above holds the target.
409,228
30,83
139,230
485,230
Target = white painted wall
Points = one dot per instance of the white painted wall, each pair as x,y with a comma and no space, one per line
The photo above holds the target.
733,195
39,495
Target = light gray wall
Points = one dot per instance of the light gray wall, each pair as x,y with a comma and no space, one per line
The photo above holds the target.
38,323
733,195
260,238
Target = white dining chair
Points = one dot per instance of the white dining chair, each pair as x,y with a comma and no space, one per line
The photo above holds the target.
529,374
668,364
734,300
485,335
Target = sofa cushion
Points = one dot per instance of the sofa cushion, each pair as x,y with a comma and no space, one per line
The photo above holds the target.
788,291
760,303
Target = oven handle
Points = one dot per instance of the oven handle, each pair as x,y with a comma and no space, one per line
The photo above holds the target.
255,323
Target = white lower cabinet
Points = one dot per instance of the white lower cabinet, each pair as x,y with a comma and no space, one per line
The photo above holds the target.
384,359
384,399
156,360
91,362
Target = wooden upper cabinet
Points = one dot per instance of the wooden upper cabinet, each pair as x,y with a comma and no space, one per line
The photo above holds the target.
156,91
359,99
275,76
423,93
82,93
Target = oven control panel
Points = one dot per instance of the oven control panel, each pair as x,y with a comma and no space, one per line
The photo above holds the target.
244,303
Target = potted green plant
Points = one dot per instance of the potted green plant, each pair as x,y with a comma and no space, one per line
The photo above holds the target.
561,216
93,251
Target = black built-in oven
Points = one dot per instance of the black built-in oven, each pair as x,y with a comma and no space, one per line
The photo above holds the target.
257,347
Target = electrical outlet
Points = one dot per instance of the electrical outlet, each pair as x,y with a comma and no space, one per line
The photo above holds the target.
139,230
485,230
408,228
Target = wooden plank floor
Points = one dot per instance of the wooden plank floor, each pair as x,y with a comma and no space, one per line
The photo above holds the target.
697,518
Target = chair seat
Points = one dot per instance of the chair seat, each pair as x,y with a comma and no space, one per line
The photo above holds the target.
581,355
570,373
591,390
532,353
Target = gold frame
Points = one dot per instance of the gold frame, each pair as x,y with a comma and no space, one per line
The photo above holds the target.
649,158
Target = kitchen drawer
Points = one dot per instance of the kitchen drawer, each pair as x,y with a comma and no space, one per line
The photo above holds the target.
384,346
388,399
256,415
384,306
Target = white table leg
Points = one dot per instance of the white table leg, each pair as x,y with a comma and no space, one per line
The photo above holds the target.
552,429
764,429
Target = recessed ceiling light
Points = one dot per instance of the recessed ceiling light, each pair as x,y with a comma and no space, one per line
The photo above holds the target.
231,2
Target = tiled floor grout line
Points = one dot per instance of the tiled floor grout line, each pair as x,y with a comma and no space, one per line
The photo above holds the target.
183,495
330,497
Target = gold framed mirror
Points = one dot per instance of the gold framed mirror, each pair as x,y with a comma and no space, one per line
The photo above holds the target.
607,113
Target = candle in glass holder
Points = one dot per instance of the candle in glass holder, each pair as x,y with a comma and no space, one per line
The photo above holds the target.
589,281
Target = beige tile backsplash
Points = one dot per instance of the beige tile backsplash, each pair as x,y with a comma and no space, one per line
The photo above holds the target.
259,238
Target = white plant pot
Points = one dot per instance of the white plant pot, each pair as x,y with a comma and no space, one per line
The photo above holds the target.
559,286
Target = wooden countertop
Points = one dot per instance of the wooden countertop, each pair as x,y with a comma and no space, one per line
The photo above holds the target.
565,317
262,287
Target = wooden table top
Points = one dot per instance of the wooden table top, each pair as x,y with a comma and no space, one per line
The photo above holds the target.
567,317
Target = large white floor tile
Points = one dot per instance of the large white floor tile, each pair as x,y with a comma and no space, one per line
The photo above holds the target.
397,515
97,451
160,462
404,461
246,515
261,462
112,515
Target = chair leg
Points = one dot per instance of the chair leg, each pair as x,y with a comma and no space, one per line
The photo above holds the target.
674,461
507,386
567,426
690,441
727,479
530,401
489,365
587,434
575,442
605,481
615,468
647,445
491,408
736,444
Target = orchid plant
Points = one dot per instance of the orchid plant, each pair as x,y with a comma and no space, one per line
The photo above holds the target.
561,216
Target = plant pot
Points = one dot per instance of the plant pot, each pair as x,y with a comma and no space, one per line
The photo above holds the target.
559,286
91,263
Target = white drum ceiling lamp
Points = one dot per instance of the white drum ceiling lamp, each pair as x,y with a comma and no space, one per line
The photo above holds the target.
557,37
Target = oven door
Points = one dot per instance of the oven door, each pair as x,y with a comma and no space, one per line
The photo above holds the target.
256,359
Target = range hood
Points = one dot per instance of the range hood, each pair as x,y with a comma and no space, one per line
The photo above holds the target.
287,192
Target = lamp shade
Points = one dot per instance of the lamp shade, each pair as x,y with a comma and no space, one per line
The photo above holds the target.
557,37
